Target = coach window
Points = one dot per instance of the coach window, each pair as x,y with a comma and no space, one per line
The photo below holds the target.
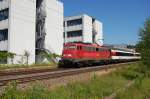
83,48
131,54
101,49
124,54
137,54
117,53
104,49
88,48
92,49
97,49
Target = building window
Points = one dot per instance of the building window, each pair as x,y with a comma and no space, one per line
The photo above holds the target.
74,33
74,22
64,24
3,35
64,34
4,14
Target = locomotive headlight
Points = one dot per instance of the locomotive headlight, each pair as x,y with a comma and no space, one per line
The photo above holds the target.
67,55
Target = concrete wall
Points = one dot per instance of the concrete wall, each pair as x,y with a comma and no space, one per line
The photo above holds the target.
4,45
72,28
75,39
87,29
22,28
4,4
98,28
4,24
54,26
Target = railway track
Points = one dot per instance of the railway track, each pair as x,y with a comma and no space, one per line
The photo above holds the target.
26,71
51,74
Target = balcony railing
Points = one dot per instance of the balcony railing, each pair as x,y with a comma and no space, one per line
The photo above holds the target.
75,39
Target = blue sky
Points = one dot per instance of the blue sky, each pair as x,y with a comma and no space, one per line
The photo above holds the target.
121,18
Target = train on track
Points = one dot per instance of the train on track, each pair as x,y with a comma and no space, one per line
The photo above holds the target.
86,54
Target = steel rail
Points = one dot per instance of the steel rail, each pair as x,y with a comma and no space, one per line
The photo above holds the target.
25,71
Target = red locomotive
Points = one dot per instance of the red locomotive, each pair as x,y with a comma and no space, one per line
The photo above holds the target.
79,54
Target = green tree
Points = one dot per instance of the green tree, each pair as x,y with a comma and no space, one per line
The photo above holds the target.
27,54
3,55
144,44
11,56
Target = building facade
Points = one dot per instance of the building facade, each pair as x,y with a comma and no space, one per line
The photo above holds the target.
49,27
17,28
83,28
54,26
27,25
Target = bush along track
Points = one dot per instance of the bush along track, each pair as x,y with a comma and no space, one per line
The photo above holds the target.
140,88
96,88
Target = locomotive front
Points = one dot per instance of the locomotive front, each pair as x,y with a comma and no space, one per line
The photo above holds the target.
70,54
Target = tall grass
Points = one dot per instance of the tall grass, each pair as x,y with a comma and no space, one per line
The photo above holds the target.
17,66
141,87
96,88
140,90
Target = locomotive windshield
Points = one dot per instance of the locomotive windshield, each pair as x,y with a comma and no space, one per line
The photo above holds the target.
70,47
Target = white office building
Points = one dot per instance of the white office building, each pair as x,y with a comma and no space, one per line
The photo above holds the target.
83,28
27,25
54,26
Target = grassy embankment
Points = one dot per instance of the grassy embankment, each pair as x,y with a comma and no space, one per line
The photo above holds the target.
96,88
3,67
